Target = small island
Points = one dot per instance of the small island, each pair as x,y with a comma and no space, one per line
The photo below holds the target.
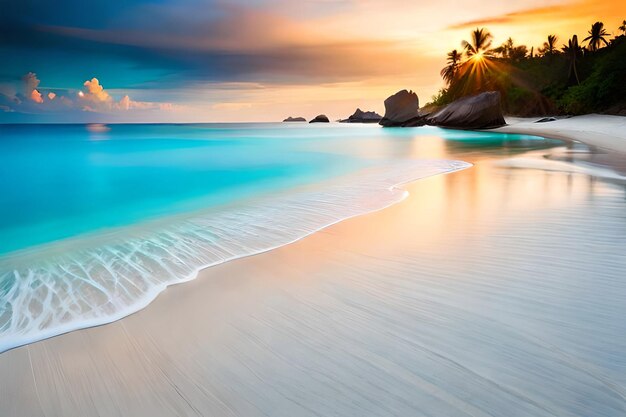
360,116
322,118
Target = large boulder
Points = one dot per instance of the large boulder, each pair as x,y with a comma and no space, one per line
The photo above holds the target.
401,110
320,119
294,119
482,111
360,116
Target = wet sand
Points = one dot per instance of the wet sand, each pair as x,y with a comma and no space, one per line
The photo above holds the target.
491,291
605,134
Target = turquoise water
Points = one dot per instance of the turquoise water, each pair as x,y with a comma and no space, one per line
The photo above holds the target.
58,181
96,221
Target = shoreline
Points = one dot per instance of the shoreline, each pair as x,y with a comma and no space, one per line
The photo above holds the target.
594,130
605,135
253,303
431,169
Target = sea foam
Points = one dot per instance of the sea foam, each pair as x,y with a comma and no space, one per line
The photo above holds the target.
84,282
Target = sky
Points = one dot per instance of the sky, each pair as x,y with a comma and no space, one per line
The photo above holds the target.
75,61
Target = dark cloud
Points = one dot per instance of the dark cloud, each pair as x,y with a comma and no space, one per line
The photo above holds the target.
95,13
214,43
172,51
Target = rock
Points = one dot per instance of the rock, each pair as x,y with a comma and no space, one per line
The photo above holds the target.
294,119
320,119
482,111
429,109
401,110
546,119
360,116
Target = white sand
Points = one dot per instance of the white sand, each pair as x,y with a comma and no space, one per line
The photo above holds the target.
608,132
485,293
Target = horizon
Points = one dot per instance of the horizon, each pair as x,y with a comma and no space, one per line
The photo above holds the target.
243,62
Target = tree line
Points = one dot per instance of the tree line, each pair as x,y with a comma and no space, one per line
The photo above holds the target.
577,77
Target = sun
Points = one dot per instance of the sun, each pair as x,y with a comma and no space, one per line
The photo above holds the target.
479,56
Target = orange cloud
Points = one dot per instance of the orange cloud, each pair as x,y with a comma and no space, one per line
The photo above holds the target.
555,16
36,96
99,100
95,91
513,17
31,82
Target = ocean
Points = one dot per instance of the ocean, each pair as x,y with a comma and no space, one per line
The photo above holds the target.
97,220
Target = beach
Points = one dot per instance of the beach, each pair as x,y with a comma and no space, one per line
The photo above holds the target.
494,290
603,132
596,130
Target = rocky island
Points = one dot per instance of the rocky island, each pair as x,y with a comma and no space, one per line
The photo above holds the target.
320,119
360,116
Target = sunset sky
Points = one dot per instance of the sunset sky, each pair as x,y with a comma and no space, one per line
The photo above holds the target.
257,60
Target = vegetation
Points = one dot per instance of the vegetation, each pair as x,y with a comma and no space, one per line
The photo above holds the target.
479,43
509,51
576,78
448,73
549,47
572,53
597,36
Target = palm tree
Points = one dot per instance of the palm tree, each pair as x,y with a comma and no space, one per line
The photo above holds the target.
505,49
573,51
596,36
508,50
623,27
479,45
549,47
449,72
